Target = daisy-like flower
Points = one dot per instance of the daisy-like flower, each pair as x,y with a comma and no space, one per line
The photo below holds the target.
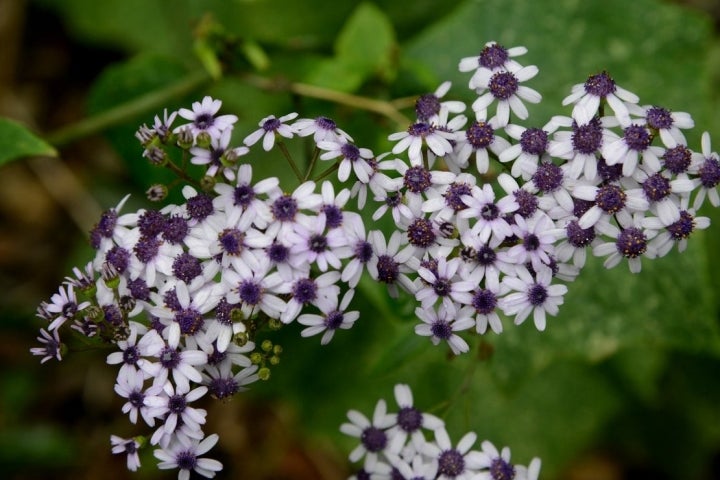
64,306
51,346
505,88
143,401
486,302
454,463
666,123
182,364
418,135
287,209
362,250
628,149
321,291
537,238
497,463
178,415
493,58
631,242
222,383
609,200
333,317
129,447
429,108
664,195
531,148
184,454
442,283
706,165
490,225
315,245
203,119
410,421
420,182
580,145
665,237
247,197
372,434
574,243
388,265
323,129
270,127
588,96
477,140
449,203
532,295
187,318
132,351
218,157
441,325
254,289
353,159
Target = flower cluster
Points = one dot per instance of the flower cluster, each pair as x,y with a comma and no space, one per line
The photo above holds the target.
394,445
186,291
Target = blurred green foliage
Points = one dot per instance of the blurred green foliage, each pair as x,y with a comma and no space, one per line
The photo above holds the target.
630,364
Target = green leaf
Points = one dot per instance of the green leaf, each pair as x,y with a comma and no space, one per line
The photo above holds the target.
16,142
367,42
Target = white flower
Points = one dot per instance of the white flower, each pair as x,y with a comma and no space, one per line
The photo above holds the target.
631,242
64,305
372,434
333,318
418,135
203,118
667,123
442,283
587,97
218,157
321,128
441,325
388,265
490,225
492,58
269,128
184,454
179,416
706,166
532,295
478,138
410,421
504,86
129,447
51,348
143,401
354,159
431,110
454,463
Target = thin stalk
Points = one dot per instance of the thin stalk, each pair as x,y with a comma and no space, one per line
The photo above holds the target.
293,165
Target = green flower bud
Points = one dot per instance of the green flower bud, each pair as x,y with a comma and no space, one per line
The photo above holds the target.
264,373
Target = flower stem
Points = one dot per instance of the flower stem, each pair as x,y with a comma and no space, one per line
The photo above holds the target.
293,165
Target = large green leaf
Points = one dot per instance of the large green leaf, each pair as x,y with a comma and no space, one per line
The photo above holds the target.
16,141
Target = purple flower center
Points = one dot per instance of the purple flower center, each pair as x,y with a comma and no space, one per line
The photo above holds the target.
363,251
600,85
284,208
186,460
186,267
388,269
333,320
350,151
417,179
420,233
683,227
537,294
441,329
373,439
223,387
610,198
451,463
147,248
501,470
200,207
231,240
453,195
169,358
112,314
324,123
631,242
489,212
177,404
223,311
250,292
190,321
656,187
420,129
710,173
442,287
659,118
278,252
503,85
484,301
304,290
427,106
493,56
318,243
534,141
637,137
531,242
151,223
580,206
548,177
69,309
203,121
176,229
137,399
131,355
527,203
677,159
480,135
578,237
243,195
333,216
170,299
271,124
486,256
609,173
586,139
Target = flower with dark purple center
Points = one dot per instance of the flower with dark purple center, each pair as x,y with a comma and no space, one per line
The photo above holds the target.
243,195
200,207
656,187
420,129
176,229
350,151
333,216
531,242
186,460
417,179
631,242
278,253
250,292
190,321
284,208
177,404
69,309
710,173
318,243
600,85
392,200
677,159
493,56
151,223
484,301
503,85
388,269
610,198
373,439
106,225
485,256
537,294
333,320
453,195
683,227
325,123
113,315
441,329
203,121
223,387
304,290
637,138
363,251
136,399
409,419
527,203
489,211
427,106
131,355
442,287
420,233
609,173
579,237
119,258
271,124
659,118
223,311
534,141
171,301
147,248
186,267
587,138
480,135
232,241
451,463
169,358
362,474
216,357
501,470
548,177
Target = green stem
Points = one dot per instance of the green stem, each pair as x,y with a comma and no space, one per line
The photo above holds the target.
328,171
149,102
293,165
311,166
